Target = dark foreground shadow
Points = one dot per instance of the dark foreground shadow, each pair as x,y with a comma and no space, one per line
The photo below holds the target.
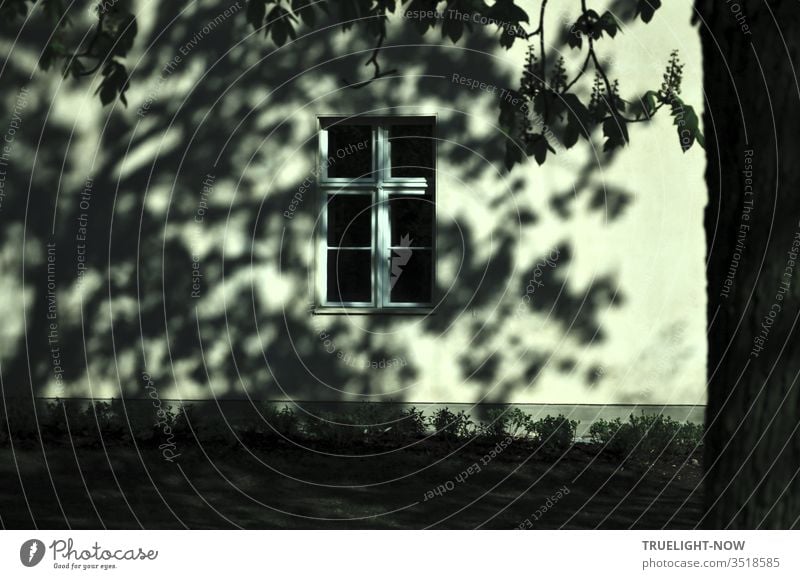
211,488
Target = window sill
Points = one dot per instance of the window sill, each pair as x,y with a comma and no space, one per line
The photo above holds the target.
333,310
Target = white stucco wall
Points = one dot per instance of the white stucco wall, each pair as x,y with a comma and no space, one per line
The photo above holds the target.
247,114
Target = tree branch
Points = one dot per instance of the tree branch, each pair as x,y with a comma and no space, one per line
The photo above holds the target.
597,66
373,60
580,73
646,118
542,53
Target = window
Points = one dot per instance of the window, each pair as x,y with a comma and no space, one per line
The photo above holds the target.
377,226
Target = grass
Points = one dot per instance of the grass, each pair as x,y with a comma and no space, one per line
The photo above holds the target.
364,470
219,487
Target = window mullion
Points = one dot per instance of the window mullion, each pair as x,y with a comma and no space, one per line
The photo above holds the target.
323,155
382,253
322,246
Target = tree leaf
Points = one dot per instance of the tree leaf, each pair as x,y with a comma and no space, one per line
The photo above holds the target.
615,130
609,24
384,6
688,125
353,11
571,133
423,7
279,24
701,139
256,11
650,100
575,36
125,34
13,9
47,58
579,120
538,148
508,12
514,154
647,8
73,67
54,10
452,28
305,10
115,82
509,113
507,37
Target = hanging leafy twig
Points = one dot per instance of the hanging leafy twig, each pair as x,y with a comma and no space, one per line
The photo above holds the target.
563,116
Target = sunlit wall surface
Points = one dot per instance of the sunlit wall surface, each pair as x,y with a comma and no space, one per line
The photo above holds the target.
170,244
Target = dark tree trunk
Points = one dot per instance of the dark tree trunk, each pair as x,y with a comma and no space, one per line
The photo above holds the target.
752,122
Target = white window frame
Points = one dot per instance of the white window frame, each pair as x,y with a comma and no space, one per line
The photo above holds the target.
380,185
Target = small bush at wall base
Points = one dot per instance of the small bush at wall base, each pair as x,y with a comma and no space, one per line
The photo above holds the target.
642,438
646,437
366,424
280,423
54,420
555,435
452,426
411,425
507,422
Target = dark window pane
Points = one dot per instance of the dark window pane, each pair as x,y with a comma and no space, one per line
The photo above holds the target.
412,150
349,275
349,151
411,221
411,275
350,221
